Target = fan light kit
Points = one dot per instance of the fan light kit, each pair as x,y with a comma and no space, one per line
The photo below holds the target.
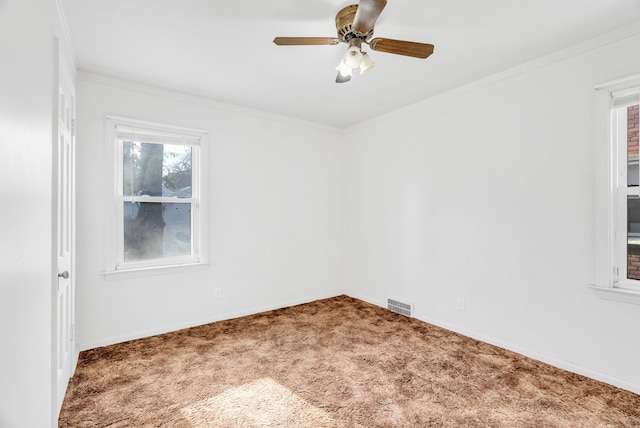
355,27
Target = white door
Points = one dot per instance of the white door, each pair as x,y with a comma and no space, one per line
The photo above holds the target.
64,315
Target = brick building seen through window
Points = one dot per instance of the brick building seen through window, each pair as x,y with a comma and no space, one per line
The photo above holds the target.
633,206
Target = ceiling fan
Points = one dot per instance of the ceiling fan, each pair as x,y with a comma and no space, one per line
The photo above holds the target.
355,26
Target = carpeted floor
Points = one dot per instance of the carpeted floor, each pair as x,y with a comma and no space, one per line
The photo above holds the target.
338,362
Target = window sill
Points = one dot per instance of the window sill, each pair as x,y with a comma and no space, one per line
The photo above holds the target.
156,270
617,294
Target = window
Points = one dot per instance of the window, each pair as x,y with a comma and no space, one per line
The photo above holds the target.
155,195
624,120
618,191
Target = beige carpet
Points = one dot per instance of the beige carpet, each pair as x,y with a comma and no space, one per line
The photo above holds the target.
338,362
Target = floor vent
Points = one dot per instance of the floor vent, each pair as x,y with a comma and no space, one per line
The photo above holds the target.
399,307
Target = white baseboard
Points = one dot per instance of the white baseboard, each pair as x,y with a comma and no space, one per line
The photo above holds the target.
561,364
218,317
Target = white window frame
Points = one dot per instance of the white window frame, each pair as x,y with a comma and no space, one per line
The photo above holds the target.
611,195
115,265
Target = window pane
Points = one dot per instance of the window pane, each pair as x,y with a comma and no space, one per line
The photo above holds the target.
155,230
156,169
633,237
633,173
176,171
633,202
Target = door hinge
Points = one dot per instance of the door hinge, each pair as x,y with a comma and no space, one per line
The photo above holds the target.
73,127
72,333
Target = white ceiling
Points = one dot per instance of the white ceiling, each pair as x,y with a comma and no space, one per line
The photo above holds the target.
224,50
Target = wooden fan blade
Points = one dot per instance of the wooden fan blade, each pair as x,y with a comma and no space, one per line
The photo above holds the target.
401,47
299,41
367,15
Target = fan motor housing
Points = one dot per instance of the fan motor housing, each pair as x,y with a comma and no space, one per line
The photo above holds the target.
344,22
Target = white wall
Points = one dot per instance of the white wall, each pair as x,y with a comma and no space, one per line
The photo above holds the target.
275,216
487,194
27,30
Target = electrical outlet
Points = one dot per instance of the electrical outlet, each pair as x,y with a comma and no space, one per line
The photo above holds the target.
460,306
217,293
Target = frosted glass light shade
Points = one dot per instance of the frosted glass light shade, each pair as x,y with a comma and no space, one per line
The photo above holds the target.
367,63
344,69
353,57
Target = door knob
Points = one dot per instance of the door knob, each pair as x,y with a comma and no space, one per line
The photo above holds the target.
64,275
